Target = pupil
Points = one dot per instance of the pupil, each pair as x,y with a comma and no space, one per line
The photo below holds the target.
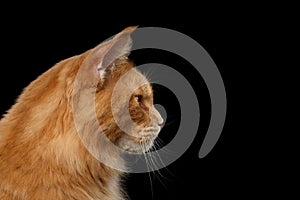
139,98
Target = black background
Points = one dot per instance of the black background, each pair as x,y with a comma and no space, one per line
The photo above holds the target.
33,41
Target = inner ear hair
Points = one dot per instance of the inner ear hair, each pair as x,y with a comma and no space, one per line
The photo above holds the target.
101,60
109,71
117,47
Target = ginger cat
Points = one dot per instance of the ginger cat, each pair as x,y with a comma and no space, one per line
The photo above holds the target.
42,150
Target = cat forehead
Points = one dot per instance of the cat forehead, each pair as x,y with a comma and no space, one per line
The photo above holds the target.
136,80
128,77
146,89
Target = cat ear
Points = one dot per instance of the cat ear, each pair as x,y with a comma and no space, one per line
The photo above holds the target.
107,52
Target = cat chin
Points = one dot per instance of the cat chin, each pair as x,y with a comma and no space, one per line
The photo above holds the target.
138,141
132,146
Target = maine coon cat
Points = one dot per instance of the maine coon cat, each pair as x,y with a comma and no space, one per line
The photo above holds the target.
41,153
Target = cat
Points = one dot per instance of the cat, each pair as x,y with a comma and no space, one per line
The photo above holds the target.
43,155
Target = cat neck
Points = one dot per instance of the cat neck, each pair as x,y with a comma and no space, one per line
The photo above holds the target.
40,149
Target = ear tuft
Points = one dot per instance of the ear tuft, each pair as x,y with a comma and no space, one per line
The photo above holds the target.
102,56
117,47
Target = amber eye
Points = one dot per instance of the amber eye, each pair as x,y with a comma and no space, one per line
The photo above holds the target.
138,98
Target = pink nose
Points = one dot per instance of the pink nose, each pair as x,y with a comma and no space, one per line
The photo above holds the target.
160,124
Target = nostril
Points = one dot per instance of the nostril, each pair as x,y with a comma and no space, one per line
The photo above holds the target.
160,124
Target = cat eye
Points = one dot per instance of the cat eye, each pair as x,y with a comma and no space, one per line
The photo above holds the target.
138,98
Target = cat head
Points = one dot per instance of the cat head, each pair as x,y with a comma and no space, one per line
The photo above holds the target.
122,96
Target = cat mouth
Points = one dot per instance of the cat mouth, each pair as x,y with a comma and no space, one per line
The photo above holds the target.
138,142
137,145
147,142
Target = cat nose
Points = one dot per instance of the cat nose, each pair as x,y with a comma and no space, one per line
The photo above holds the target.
156,116
161,124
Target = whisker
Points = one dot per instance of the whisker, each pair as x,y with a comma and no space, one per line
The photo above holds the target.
148,167
160,143
157,173
157,144
149,75
170,122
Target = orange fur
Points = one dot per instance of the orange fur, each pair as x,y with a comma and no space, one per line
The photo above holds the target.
41,153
